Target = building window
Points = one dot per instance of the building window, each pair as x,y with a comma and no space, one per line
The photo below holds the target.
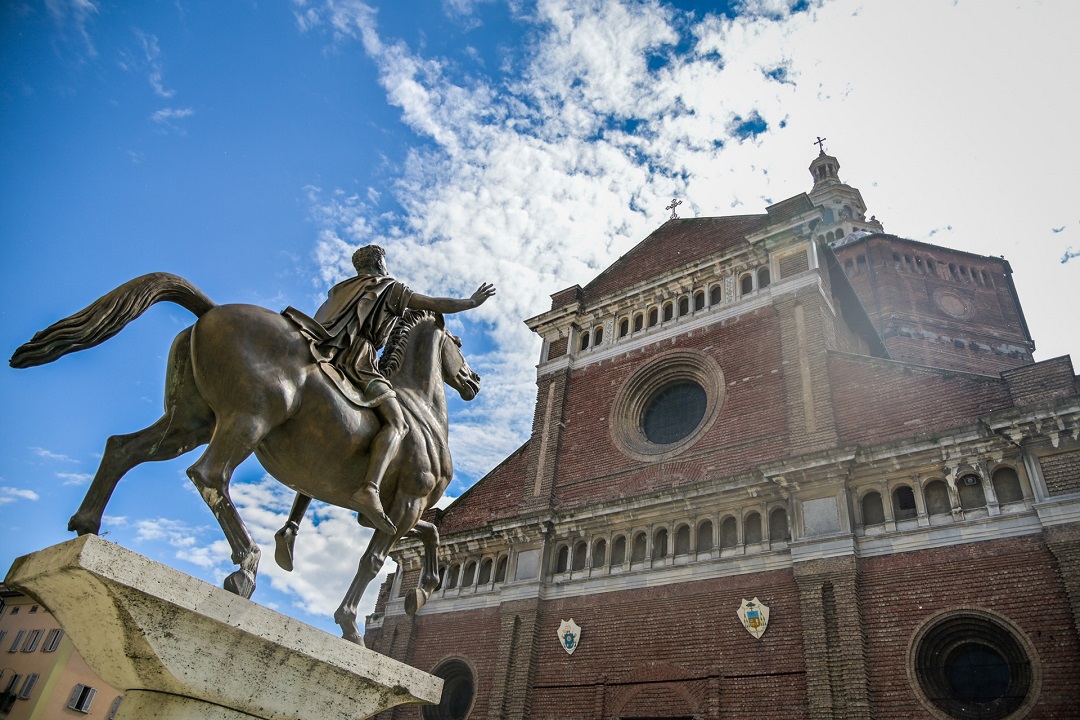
624,327
729,533
583,342
458,692
32,640
699,300
11,683
763,277
28,686
485,572
746,284
618,551
562,559
81,698
952,272
849,267
930,267
861,260
637,552
114,708
18,641
904,503
937,498
14,610
3,634
660,544
873,513
674,412
752,528
599,553
581,551
639,321
598,336
704,536
469,577
682,540
500,570
654,316
33,609
716,295
972,666
971,492
52,640
684,306
669,311
1007,486
452,580
987,281
778,527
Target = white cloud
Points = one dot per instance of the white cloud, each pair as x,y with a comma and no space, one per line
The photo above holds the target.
153,63
75,478
74,14
167,117
11,494
50,455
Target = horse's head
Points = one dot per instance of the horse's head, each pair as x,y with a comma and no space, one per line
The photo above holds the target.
455,370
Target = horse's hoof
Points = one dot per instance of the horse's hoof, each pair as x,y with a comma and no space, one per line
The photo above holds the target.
80,526
354,637
241,583
283,547
414,600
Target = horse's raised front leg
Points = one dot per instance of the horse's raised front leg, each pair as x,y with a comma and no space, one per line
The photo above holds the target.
234,439
164,440
429,576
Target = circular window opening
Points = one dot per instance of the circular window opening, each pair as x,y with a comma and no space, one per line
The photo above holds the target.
674,412
458,692
973,666
667,405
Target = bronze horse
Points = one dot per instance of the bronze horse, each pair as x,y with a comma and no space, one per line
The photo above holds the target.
241,380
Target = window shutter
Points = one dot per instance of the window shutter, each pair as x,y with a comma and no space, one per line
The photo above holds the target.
73,701
89,699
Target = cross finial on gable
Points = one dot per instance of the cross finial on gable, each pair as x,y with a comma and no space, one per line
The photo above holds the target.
674,204
821,144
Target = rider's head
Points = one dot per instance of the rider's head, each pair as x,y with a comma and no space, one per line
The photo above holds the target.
370,260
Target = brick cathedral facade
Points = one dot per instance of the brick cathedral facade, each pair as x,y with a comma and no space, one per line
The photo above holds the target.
796,409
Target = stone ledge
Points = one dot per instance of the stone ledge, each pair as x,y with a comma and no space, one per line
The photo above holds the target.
143,626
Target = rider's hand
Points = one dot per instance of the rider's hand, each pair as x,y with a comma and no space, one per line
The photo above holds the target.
483,293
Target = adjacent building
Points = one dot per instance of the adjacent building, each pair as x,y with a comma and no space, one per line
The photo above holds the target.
42,675
782,465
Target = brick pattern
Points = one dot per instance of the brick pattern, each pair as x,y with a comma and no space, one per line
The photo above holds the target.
1017,578
1045,382
557,348
1064,542
793,264
1061,472
877,400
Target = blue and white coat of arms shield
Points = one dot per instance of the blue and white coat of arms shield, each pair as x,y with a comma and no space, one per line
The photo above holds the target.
569,636
754,615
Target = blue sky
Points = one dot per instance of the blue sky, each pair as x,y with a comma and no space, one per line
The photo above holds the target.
248,146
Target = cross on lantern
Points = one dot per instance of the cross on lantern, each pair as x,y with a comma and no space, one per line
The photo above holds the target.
674,204
821,144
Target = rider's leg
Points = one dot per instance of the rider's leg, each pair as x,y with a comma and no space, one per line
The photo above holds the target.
384,447
286,536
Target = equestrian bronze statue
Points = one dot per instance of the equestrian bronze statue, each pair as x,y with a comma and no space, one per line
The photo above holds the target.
309,396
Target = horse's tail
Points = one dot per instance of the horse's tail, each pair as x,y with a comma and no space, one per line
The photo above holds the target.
108,315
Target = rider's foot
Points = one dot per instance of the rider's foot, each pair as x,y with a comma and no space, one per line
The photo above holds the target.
369,506
283,545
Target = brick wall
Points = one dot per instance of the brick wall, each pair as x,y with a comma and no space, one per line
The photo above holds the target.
1061,472
1043,382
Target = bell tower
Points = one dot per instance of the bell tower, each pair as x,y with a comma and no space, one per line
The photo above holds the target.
844,211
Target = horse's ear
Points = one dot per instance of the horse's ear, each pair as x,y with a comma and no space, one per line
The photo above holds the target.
440,321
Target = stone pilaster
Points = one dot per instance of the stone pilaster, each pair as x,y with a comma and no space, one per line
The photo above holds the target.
1064,541
511,691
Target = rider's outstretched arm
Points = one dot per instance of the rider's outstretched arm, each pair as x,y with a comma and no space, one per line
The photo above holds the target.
447,306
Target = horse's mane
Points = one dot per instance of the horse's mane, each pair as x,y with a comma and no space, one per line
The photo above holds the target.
393,353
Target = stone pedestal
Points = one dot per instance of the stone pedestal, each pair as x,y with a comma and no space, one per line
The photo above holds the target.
181,649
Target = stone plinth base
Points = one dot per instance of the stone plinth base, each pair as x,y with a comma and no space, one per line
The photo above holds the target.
180,648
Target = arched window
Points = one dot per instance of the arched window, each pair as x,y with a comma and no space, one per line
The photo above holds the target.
975,276
987,279
963,273
778,527
581,550
469,577
684,306
485,572
746,284
763,277
873,513
669,311
583,343
682,540
903,500
452,577
699,300
907,263
896,261
637,552
849,267
752,528
952,272
918,264
599,553
660,549
937,498
704,536
971,492
716,294
624,327
729,533
618,551
500,570
639,322
562,560
598,336
654,316
1007,485
930,267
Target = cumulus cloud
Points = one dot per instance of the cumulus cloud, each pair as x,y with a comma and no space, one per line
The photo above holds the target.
75,478
12,494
